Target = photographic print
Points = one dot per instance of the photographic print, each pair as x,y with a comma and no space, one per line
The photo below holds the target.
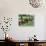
26,20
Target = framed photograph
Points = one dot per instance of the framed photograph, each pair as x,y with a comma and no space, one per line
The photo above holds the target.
26,20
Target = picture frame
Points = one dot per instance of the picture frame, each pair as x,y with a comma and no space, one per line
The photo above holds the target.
26,20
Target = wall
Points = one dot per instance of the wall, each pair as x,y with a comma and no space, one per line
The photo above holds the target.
12,8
